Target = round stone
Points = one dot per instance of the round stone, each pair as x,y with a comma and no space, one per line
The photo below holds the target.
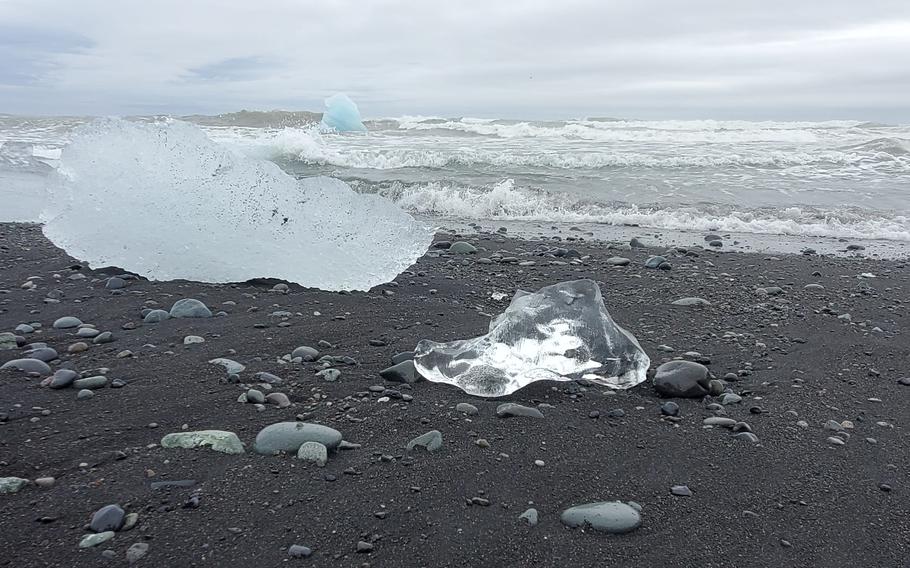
686,379
299,551
466,408
67,322
511,409
190,308
63,378
462,247
607,516
279,399
156,316
107,518
27,366
313,452
305,353
289,436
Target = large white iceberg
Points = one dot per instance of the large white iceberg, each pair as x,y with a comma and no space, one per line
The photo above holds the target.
341,114
163,200
559,333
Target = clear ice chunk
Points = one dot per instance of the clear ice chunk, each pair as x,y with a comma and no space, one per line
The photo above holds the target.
163,200
559,333
342,114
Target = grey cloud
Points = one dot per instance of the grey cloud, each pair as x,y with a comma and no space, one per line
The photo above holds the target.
520,58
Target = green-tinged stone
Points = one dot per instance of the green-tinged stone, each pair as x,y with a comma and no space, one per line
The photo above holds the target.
91,540
12,484
218,440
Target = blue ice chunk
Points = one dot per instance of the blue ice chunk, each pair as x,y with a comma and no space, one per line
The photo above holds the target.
342,114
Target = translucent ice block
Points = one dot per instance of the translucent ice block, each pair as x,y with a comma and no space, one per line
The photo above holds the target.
342,114
164,201
558,333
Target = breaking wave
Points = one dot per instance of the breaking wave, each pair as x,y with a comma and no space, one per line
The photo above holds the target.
506,201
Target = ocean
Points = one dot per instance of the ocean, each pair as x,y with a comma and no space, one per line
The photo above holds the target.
768,180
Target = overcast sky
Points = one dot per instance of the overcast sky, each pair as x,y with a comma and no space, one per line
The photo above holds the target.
786,59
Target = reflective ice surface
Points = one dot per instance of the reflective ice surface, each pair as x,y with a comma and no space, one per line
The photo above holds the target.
559,333
164,201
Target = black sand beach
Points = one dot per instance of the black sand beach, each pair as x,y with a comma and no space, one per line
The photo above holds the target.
794,498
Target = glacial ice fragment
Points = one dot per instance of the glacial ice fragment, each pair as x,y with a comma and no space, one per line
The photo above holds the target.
342,114
561,332
164,201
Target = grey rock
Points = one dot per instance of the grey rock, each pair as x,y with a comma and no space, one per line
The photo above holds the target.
156,316
299,551
616,261
329,375
279,399
466,408
107,518
905,381
771,290
746,436
681,491
530,517
715,387
24,328
685,379
402,357
289,436
719,421
115,283
655,261
730,398
104,337
8,341
269,378
511,409
232,367
690,302
91,383
190,308
63,378
136,551
84,394
462,247
313,452
431,441
219,440
130,521
669,408
67,322
27,366
305,353
95,539
9,485
403,372
193,340
45,354
607,516
255,396
87,332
